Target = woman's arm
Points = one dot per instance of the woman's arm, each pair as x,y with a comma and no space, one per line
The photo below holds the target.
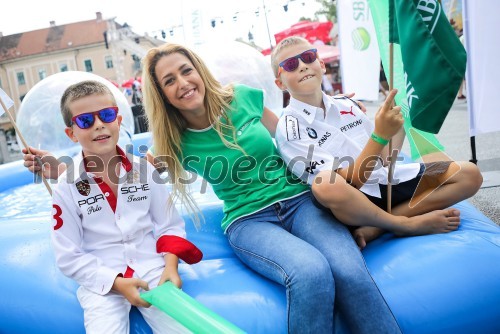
270,121
150,158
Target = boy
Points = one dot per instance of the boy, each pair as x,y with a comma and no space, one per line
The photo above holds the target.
330,143
115,231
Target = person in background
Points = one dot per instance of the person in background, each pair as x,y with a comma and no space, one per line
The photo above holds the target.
461,95
326,83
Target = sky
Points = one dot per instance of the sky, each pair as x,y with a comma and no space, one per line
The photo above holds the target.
233,18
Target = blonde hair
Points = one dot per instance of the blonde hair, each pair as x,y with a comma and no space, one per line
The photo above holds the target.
283,44
167,124
80,90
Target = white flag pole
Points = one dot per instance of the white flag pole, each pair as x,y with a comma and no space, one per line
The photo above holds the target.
391,159
23,141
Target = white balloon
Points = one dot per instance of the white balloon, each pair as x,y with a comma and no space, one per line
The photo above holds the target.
40,120
236,62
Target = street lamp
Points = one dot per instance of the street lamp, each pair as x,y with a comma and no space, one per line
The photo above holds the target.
267,24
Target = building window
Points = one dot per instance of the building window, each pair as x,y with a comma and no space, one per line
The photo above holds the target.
20,79
42,73
109,62
63,67
88,65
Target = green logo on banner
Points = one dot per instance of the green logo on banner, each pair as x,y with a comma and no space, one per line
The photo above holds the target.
429,11
360,39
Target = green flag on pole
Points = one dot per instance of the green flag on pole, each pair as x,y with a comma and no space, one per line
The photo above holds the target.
433,58
421,143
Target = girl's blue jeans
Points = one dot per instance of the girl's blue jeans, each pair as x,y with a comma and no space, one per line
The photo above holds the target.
304,248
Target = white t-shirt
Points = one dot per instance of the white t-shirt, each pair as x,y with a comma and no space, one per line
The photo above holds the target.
311,141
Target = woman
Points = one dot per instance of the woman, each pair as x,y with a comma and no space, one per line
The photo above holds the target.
224,134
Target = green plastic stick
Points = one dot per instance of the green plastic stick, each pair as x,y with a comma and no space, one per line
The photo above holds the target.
187,311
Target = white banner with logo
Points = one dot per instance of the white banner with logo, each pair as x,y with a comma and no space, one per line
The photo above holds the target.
7,101
481,27
359,53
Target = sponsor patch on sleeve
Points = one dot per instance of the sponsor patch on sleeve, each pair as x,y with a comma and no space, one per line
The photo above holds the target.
292,128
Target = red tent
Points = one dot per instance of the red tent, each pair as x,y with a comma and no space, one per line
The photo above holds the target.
328,53
114,83
128,83
266,52
312,31
317,33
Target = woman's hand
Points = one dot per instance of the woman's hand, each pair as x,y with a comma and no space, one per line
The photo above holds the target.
359,103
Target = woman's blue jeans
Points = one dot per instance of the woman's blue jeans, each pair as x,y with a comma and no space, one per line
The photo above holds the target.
305,249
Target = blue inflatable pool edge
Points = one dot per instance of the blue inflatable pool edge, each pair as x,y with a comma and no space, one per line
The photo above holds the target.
445,283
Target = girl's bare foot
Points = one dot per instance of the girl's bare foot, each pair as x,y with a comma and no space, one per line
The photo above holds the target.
438,221
364,234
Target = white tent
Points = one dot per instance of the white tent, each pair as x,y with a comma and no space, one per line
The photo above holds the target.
481,26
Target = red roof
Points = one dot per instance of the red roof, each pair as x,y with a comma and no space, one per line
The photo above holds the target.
51,39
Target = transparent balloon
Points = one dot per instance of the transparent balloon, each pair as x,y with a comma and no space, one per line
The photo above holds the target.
237,62
39,118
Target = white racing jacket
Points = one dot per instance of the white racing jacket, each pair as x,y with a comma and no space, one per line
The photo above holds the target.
310,143
97,236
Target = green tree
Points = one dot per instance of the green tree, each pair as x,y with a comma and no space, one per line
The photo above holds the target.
329,9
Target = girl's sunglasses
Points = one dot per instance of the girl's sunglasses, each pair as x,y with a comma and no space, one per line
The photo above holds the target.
291,64
86,120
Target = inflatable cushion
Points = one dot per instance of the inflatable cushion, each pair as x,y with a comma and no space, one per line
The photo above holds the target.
446,283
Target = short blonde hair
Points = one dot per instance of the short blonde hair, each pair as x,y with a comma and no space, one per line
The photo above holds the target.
282,45
80,90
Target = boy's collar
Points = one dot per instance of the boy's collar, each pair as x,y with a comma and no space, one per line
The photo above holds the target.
307,111
127,165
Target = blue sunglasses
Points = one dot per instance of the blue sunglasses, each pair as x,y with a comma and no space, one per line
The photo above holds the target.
86,120
291,64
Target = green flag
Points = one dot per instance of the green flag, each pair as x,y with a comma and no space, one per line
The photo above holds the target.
421,143
433,58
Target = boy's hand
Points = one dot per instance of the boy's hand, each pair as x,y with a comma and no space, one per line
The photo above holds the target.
388,119
36,158
359,103
172,275
129,288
